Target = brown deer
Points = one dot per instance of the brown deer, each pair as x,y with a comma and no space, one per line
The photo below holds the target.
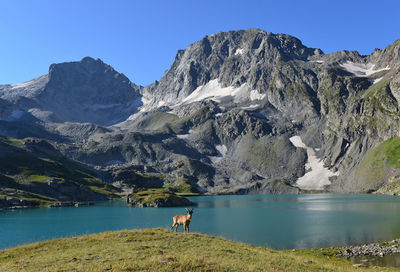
182,220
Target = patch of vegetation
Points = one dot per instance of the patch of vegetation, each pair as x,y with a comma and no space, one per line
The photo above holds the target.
26,198
164,250
377,165
158,197
320,252
183,187
388,244
377,87
34,166
183,124
157,120
136,179
392,150
152,194
392,188
38,178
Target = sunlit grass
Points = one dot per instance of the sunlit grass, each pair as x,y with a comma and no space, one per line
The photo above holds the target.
163,250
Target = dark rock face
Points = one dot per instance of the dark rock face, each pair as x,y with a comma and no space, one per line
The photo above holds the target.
221,118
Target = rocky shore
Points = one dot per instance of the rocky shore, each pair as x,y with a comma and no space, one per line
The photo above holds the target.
373,249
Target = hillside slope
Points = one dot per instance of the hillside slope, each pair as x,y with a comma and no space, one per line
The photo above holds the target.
33,173
162,250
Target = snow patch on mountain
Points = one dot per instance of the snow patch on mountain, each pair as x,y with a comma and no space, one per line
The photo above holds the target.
377,80
213,90
184,136
254,106
221,153
255,95
26,89
360,69
317,175
239,51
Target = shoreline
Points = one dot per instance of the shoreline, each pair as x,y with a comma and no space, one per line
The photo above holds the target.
377,249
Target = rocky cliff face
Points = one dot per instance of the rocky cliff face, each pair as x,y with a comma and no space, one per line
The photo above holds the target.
238,112
84,91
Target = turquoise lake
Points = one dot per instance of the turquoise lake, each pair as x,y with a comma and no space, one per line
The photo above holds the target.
277,221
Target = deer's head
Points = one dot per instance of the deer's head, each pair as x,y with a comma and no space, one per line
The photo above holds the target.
189,212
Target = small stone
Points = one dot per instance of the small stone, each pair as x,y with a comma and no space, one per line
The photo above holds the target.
308,262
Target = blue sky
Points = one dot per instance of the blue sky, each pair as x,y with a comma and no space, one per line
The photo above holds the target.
141,38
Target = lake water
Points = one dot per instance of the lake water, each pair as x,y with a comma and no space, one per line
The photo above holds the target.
277,221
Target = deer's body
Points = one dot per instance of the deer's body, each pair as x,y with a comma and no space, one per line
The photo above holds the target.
182,220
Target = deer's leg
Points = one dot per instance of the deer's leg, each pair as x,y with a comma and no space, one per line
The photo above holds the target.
173,225
187,228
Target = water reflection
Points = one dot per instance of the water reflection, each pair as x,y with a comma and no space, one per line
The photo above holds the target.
304,221
386,261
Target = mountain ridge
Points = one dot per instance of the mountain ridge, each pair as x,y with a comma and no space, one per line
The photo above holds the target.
221,118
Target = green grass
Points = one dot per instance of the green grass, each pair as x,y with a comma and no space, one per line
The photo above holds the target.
183,124
157,120
38,178
388,244
377,87
163,250
32,198
392,149
28,164
150,195
377,165
153,195
183,187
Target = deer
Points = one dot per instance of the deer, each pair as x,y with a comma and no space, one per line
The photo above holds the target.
182,220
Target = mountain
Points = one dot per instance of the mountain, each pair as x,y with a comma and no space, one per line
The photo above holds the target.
85,91
33,173
238,112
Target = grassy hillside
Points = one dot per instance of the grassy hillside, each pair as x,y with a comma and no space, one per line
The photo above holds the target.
380,168
163,250
32,171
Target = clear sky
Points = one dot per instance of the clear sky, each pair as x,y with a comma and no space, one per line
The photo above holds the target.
140,38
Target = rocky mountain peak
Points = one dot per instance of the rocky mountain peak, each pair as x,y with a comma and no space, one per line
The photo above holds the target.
233,58
81,91
91,80
389,56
